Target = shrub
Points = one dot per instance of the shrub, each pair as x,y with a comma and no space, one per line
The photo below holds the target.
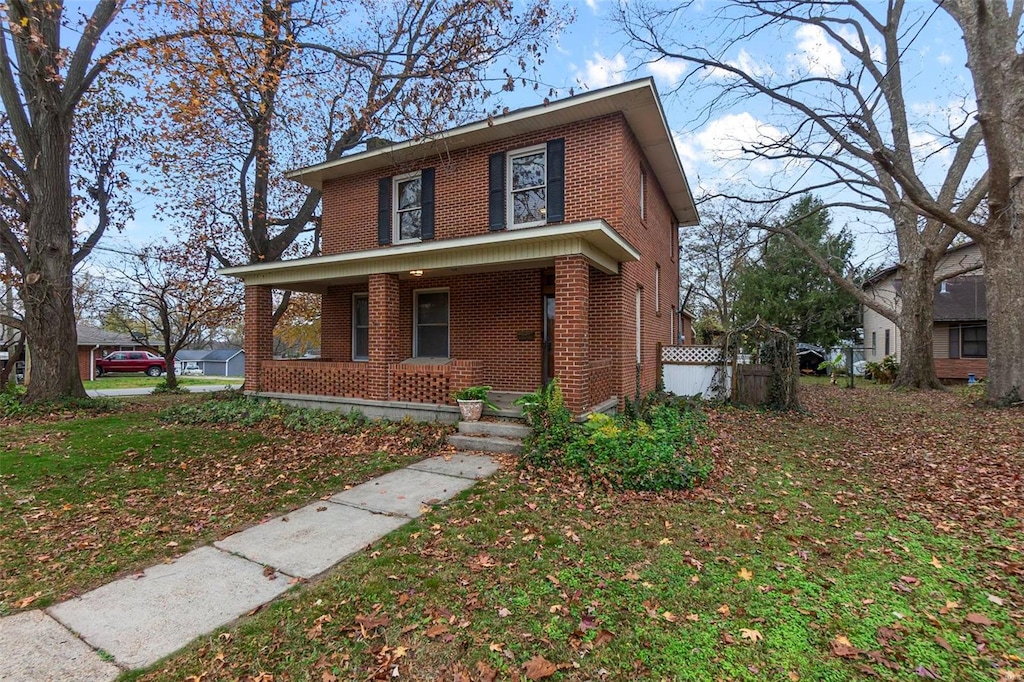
10,401
653,446
883,372
163,387
229,407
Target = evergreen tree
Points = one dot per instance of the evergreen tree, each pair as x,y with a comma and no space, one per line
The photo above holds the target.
787,290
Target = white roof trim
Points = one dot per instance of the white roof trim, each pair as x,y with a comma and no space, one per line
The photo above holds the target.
637,100
528,247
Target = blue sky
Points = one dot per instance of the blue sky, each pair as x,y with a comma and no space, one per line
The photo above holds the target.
592,53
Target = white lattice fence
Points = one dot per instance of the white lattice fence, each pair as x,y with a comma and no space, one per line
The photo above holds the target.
691,355
692,370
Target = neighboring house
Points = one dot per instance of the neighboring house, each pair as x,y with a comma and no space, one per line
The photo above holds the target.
684,330
95,343
183,357
225,362
537,244
959,337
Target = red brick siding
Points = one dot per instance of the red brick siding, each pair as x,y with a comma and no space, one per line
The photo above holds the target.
959,368
592,151
601,381
259,332
336,322
572,330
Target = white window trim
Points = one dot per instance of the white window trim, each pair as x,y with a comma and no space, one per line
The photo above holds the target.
366,295
509,207
396,227
416,325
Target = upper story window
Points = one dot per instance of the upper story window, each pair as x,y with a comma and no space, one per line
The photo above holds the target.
643,195
527,187
405,208
408,218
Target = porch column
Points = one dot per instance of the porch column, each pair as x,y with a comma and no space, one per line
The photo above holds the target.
572,323
259,333
384,331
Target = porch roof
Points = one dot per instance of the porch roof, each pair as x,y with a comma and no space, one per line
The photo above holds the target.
509,250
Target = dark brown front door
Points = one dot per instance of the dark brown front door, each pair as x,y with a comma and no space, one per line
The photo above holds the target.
549,337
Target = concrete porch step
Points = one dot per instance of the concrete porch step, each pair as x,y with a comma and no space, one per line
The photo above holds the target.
498,429
463,442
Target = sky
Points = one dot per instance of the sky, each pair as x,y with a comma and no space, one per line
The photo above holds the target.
592,53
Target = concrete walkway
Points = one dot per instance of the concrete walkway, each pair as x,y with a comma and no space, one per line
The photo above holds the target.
134,622
192,388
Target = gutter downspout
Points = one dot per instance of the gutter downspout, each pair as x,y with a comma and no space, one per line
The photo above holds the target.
92,362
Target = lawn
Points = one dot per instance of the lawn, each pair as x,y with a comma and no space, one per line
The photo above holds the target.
143,381
878,534
90,496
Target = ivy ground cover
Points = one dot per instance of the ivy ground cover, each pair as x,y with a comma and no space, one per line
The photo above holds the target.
878,535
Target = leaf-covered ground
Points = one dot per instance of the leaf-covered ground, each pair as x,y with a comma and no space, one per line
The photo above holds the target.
85,498
879,535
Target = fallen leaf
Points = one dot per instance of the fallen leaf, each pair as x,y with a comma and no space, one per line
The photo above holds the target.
22,603
631,576
485,672
979,619
943,643
841,647
670,617
436,630
603,637
538,667
692,617
745,574
753,635
724,610
926,672
504,613
935,562
664,541
496,646
995,600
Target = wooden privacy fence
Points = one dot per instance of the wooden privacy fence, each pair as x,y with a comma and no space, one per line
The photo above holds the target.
705,371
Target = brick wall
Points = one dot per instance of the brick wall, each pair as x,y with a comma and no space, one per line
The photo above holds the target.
316,377
959,368
259,332
601,381
592,149
572,330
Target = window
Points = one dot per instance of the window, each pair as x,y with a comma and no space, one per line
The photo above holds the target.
657,289
360,326
874,344
974,342
527,187
408,219
430,324
643,193
639,297
887,349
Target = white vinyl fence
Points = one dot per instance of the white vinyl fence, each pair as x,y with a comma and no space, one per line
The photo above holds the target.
693,370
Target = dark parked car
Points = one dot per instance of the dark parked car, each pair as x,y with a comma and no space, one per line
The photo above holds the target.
131,361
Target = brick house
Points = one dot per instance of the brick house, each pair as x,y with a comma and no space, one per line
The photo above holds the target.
960,330
95,343
541,243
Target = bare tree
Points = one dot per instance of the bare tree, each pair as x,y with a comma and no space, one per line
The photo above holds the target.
849,122
167,298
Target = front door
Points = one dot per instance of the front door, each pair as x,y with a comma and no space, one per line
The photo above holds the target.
549,337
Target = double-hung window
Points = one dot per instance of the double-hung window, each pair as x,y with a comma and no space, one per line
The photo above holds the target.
360,327
974,342
527,187
430,323
408,218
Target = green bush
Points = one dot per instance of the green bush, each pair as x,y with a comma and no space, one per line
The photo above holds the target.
229,407
654,446
883,372
12,404
10,401
163,387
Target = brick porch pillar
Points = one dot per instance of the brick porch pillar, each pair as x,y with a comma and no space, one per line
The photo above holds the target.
259,333
384,331
572,323
336,325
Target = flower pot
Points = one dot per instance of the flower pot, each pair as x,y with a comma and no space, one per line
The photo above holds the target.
471,409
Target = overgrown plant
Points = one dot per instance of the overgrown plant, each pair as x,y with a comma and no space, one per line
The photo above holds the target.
551,420
475,393
883,372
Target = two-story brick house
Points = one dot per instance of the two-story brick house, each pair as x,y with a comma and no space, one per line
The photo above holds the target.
541,243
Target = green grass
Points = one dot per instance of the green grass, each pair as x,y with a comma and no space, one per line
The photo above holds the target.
86,498
806,541
142,381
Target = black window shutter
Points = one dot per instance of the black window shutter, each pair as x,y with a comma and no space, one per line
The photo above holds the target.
556,180
496,192
427,203
954,342
384,211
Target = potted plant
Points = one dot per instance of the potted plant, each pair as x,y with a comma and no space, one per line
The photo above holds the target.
472,401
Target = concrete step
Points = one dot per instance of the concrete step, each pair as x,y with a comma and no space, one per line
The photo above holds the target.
498,429
485,443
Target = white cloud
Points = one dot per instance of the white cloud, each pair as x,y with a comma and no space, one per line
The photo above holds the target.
602,71
746,63
721,142
817,55
669,71
592,4
944,58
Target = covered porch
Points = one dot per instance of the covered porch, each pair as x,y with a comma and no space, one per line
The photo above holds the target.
404,327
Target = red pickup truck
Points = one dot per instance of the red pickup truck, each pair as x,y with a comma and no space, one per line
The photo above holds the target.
131,361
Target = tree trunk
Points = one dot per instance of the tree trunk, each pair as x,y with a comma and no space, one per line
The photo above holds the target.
172,377
917,317
47,289
1004,302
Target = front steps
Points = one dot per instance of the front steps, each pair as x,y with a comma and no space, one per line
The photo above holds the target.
502,437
